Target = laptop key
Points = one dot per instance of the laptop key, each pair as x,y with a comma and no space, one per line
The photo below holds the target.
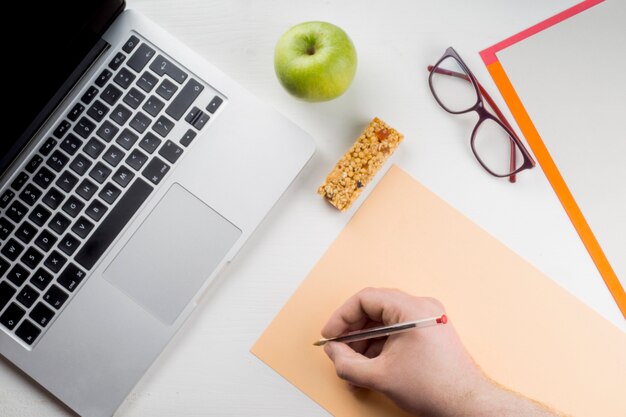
126,139
100,172
12,249
71,277
166,89
46,240
4,266
191,116
18,275
140,122
215,103
55,296
26,232
155,170
41,314
27,296
140,58
39,215
82,227
153,106
184,99
31,258
123,176
107,131
96,210
30,194
187,138
89,95
80,164
16,211
41,278
76,111
61,129
84,127
163,126
68,244
113,156
19,181
34,163
55,261
162,65
86,189
28,332
149,143
109,193
47,147
147,82
6,198
130,44
134,98
11,316
59,223
103,78
121,114
111,226
44,177
57,161
67,181
71,144
117,61
170,151
111,94
201,120
98,110
124,78
94,148
6,227
73,206
53,198
6,293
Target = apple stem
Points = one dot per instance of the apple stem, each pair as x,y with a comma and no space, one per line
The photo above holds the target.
310,50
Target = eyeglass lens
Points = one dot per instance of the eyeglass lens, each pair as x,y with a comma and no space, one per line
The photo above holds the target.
492,146
452,86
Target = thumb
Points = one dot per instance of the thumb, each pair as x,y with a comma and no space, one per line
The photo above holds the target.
352,366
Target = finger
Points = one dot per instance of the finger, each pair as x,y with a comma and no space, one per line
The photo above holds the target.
380,305
362,345
375,348
352,366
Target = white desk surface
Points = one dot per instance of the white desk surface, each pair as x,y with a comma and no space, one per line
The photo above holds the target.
207,370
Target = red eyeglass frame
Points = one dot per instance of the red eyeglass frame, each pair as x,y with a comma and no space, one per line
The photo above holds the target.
483,113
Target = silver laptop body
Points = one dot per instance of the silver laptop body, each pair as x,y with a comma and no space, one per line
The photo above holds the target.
120,315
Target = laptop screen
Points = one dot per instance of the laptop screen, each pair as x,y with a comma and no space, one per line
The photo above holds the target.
52,40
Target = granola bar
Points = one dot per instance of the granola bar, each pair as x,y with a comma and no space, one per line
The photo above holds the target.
360,164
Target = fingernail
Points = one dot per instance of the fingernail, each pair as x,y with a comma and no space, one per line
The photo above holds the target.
328,349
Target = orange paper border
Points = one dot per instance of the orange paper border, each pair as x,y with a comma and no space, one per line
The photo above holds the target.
543,156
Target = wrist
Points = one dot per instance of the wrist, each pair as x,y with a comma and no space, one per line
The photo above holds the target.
493,400
477,400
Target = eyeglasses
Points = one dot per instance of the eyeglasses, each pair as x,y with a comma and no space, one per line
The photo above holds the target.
494,143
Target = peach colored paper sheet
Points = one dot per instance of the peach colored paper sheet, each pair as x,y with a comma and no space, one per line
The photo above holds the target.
521,328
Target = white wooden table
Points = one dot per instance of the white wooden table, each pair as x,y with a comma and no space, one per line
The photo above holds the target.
208,370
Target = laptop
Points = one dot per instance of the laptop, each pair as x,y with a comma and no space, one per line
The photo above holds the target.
133,171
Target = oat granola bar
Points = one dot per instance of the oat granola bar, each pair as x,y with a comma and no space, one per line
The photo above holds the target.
360,164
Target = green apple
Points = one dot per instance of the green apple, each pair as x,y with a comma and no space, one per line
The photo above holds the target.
315,61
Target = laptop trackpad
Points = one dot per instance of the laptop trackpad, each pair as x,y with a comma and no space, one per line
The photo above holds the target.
171,255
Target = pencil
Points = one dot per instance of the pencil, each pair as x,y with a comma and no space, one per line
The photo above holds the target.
384,330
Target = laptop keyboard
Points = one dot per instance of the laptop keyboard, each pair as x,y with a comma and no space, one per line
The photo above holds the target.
62,211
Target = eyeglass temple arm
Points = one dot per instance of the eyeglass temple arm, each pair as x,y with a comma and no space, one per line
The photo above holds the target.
493,105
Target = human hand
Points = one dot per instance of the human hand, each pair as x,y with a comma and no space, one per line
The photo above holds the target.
425,371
